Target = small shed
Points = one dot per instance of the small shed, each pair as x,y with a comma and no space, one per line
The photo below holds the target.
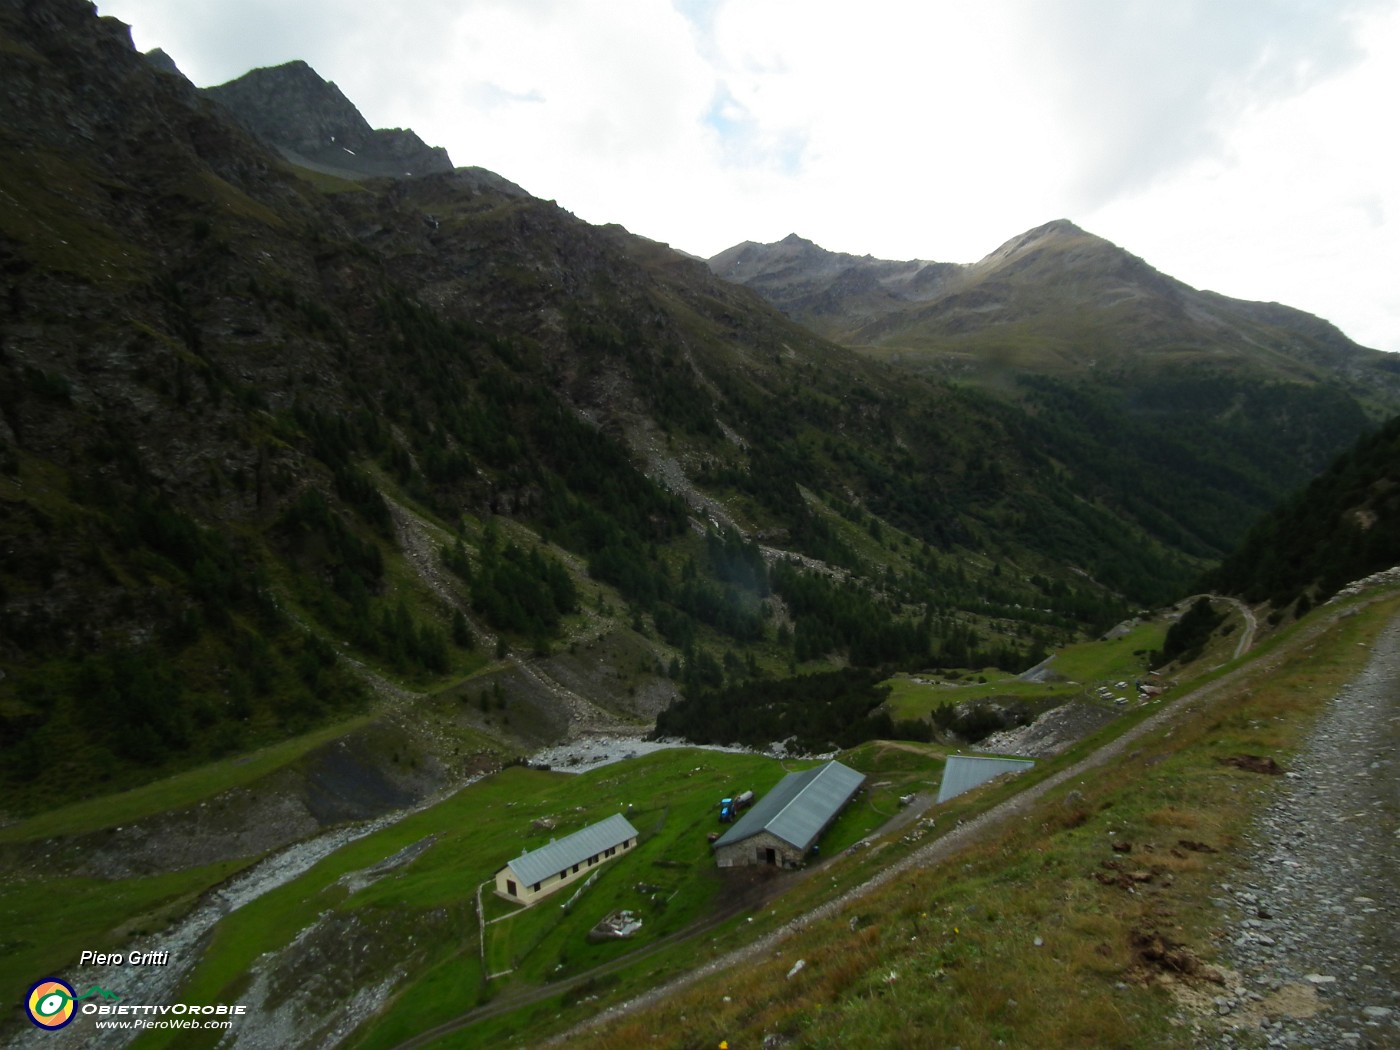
784,825
965,772
540,872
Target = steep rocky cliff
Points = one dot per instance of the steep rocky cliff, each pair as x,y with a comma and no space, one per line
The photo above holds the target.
313,124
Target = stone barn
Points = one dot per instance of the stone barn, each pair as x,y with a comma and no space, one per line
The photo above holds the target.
784,825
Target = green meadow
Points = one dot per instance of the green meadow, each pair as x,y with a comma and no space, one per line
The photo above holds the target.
1075,672
669,881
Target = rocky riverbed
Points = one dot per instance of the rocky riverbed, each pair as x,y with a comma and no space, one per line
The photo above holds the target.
602,749
1314,930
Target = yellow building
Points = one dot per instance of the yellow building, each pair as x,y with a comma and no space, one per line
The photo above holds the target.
540,872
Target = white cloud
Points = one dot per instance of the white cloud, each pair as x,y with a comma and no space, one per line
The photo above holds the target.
1144,89
1301,210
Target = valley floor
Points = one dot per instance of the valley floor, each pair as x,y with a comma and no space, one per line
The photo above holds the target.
1282,902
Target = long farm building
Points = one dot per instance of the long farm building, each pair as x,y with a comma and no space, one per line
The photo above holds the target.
538,873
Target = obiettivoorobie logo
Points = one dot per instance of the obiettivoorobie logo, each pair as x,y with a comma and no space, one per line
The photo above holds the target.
52,1003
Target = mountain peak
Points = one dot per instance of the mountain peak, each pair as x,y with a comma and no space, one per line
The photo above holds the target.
163,62
313,124
1058,226
292,106
1057,232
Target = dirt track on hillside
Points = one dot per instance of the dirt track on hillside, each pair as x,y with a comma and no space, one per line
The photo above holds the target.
1314,917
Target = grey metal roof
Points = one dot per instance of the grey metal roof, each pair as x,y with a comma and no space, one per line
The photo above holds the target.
965,772
799,807
538,865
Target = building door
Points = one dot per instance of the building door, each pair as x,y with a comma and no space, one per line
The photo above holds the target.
510,887
770,856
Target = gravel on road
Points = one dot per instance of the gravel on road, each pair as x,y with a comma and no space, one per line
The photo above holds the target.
1314,929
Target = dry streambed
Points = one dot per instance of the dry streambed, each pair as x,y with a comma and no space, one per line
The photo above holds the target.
186,940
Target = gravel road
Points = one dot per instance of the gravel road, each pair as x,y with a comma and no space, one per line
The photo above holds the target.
1315,927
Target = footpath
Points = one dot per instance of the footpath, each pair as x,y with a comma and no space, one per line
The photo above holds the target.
1315,915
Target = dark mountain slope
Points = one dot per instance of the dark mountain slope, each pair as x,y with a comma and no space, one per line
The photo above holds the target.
256,421
1343,526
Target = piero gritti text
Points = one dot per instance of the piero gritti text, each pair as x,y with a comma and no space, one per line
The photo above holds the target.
124,959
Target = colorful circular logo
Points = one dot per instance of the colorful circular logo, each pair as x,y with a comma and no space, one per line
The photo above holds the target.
50,1003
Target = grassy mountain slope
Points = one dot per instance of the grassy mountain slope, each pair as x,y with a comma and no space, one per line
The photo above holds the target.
1055,300
965,915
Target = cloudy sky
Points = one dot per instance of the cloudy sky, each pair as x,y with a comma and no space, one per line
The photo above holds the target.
1247,146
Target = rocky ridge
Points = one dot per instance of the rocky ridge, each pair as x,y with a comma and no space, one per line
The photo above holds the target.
804,279
1056,299
311,122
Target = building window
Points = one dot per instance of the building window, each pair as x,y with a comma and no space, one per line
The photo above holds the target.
537,887
575,869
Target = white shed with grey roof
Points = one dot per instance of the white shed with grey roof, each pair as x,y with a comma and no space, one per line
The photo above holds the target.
785,824
540,872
